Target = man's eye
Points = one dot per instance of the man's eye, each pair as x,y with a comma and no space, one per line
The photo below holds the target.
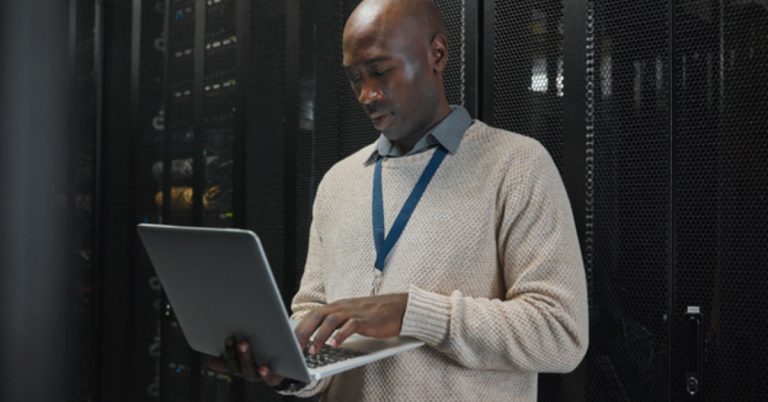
379,74
353,78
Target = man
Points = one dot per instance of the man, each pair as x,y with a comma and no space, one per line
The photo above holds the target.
487,271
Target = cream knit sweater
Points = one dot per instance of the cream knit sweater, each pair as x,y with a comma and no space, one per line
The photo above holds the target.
490,261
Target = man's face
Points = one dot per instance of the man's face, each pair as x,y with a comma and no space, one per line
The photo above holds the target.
391,76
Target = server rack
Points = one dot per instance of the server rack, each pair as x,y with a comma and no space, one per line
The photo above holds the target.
661,161
197,168
148,83
180,197
719,180
205,142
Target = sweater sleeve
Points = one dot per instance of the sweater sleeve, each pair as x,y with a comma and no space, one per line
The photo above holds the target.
541,325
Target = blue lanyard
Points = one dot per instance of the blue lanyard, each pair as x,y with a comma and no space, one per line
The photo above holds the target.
385,245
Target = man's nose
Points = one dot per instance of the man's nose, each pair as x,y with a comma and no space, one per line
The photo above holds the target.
370,93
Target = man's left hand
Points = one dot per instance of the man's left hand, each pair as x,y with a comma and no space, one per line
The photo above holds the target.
377,317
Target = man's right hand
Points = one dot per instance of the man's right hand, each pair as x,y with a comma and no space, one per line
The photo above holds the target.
238,361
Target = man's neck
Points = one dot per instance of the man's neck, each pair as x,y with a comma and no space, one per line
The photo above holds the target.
405,145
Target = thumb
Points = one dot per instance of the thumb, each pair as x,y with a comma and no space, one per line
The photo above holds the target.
268,376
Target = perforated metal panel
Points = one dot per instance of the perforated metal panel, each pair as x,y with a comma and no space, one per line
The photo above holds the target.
321,84
455,74
528,85
265,149
721,187
628,355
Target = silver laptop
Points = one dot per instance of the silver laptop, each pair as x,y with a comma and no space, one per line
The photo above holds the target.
219,284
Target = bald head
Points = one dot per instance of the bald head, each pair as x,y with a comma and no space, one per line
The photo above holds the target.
423,16
395,52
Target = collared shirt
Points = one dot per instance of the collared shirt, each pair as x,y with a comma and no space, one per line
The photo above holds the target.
447,133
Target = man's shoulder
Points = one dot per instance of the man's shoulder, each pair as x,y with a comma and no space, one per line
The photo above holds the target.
505,144
349,168
353,163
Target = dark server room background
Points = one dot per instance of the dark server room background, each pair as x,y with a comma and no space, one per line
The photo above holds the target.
227,113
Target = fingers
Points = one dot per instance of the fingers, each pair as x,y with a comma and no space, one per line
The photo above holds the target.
239,361
317,326
330,324
350,327
307,326
246,361
268,376
219,365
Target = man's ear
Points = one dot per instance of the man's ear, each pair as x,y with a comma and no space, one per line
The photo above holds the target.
439,52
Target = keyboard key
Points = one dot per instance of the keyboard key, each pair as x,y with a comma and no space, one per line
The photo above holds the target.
329,355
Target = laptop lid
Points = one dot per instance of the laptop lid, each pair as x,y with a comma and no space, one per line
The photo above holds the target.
219,284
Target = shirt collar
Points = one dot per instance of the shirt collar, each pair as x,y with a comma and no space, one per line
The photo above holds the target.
448,133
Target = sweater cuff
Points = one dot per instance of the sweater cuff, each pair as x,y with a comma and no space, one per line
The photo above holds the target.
427,316
309,390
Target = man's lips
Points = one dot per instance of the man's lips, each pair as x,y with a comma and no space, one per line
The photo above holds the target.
380,120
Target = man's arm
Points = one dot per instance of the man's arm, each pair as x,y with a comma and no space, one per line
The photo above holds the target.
541,325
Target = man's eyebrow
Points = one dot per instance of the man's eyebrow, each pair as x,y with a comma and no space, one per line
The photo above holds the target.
377,59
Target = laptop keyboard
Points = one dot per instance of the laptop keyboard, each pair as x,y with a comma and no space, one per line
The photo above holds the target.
329,355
